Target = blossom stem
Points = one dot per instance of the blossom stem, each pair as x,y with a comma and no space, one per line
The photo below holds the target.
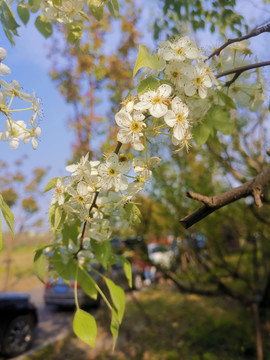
30,108
10,102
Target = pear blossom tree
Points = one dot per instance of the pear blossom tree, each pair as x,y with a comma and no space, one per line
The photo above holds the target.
181,94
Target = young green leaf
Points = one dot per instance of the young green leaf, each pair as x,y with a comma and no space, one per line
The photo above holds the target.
96,8
219,118
201,134
44,26
23,13
145,59
102,252
51,184
87,283
127,269
118,298
114,327
40,264
7,214
227,100
150,83
8,17
85,327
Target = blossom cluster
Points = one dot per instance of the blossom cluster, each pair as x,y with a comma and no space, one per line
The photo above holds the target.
17,130
65,11
182,76
75,194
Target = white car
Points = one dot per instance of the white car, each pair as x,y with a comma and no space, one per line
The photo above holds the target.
161,255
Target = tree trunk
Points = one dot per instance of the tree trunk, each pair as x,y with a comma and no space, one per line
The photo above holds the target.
258,332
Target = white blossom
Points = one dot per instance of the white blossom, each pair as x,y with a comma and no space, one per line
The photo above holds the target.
179,49
111,174
4,69
130,128
58,196
199,80
155,101
177,118
15,90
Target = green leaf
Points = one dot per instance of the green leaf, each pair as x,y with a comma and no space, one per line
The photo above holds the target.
102,252
150,83
9,17
8,215
114,327
40,264
96,8
71,231
44,26
118,298
87,283
23,13
127,269
132,213
85,327
201,134
116,7
227,100
58,217
74,32
145,59
219,118
34,5
51,184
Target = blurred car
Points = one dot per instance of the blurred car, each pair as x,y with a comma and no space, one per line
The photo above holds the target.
61,293
161,255
18,319
135,250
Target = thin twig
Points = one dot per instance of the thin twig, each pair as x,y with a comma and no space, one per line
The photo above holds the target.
253,33
239,70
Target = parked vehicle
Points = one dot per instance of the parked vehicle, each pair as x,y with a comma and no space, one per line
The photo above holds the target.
18,319
161,255
61,293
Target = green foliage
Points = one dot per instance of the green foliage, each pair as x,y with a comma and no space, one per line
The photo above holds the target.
198,14
8,216
85,327
96,8
51,184
102,252
40,264
44,26
127,269
145,59
74,32
23,13
132,213
8,21
150,83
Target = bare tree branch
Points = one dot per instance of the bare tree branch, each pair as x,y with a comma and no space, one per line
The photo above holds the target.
212,203
253,33
239,70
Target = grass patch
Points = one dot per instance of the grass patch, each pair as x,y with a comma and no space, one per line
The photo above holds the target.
162,324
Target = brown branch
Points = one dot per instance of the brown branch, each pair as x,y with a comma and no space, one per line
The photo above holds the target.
239,70
212,203
253,33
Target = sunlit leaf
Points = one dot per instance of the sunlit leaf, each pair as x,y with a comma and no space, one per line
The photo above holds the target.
118,298
85,327
145,59
8,215
23,13
44,26
40,264
127,269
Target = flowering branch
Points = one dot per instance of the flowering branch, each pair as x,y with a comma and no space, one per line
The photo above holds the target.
253,33
239,70
252,187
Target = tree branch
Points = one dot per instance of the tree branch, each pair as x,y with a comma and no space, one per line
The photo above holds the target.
253,33
212,203
239,70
